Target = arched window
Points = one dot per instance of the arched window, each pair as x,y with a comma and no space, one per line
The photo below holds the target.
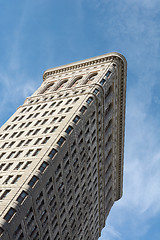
76,80
61,84
47,88
91,77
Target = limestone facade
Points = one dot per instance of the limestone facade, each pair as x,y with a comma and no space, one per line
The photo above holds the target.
61,153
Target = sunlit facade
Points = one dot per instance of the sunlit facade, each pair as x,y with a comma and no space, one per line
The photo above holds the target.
61,153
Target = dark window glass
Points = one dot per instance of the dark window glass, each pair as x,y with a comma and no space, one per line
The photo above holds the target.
52,153
102,81
10,214
76,119
83,109
33,181
61,141
22,196
108,73
43,166
69,129
89,100
95,91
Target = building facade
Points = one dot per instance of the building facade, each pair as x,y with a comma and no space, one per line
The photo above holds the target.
61,153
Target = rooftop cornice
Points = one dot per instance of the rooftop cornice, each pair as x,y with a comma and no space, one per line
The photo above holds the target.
84,63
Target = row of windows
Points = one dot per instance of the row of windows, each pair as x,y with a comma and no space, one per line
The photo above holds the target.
71,83
14,165
16,154
40,107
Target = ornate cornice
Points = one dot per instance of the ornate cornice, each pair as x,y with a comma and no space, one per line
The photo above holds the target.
83,64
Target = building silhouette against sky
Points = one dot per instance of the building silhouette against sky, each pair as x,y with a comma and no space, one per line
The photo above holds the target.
61,153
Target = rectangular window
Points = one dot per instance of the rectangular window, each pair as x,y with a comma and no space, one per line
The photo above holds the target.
18,166
52,153
21,197
76,119
36,131
29,152
36,152
5,193
10,214
45,113
11,154
89,100
61,141
27,164
29,123
102,81
8,166
20,143
53,129
44,121
95,91
37,141
18,154
43,166
16,179
8,179
69,129
33,180
45,140
83,109
108,73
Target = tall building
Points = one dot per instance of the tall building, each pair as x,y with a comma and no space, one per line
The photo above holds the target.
61,153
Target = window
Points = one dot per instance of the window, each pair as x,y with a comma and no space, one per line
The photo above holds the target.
68,101
44,121
45,140
20,143
95,91
37,141
8,166
36,152
10,214
27,164
89,100
27,142
69,129
33,181
22,125
76,119
61,141
102,81
29,123
18,165
46,130
52,112
5,193
83,109
108,73
45,113
29,152
30,131
53,129
11,144
7,127
18,154
16,179
52,153
36,131
61,118
43,166
22,196
11,154
68,109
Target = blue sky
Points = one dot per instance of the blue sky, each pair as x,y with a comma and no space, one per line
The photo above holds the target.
40,34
